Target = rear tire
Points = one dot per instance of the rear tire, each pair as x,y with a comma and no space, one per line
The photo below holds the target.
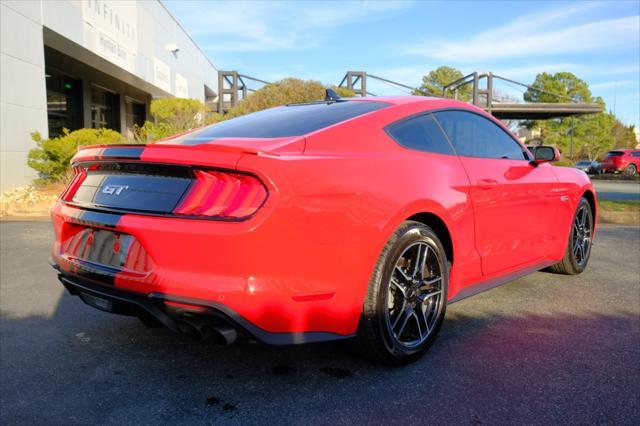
578,249
407,296
631,170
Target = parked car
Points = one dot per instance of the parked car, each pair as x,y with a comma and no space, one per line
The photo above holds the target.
341,219
622,160
589,167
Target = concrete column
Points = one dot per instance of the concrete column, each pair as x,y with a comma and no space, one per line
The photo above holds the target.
23,93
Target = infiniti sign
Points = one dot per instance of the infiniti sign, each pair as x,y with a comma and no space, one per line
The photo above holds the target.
114,189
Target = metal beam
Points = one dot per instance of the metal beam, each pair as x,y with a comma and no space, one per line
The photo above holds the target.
541,111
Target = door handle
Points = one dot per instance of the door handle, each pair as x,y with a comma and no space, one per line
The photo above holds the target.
487,183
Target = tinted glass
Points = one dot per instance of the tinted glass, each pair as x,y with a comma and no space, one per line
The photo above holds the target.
291,120
475,136
421,133
635,154
584,163
615,154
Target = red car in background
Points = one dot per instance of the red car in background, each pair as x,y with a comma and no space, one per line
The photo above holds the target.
339,219
622,160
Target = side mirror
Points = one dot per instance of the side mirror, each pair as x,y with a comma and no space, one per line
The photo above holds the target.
545,154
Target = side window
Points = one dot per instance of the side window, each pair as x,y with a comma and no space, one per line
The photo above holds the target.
475,136
635,154
421,133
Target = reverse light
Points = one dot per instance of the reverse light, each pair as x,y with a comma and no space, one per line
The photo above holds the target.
223,195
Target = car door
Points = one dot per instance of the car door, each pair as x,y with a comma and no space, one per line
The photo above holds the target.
514,200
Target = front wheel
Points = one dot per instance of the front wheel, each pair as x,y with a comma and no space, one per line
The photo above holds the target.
578,249
631,170
406,299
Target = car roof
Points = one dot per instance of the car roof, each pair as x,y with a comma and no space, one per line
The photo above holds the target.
403,100
426,102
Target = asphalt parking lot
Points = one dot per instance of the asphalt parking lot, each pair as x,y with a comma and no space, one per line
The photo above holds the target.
545,349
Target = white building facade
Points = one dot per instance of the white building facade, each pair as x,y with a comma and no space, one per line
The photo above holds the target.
96,63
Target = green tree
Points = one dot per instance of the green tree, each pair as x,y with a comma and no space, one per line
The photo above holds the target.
587,136
51,159
562,87
435,81
624,136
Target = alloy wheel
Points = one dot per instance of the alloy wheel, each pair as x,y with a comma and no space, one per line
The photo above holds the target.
415,295
581,234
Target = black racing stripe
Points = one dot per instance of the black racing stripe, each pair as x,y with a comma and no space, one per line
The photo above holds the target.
91,218
128,152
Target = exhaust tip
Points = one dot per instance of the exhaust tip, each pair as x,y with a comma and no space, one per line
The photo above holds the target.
226,335
206,330
190,330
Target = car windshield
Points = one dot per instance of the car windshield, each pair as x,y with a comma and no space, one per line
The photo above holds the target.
284,121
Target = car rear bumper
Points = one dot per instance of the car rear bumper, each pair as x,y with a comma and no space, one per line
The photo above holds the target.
162,307
611,167
260,270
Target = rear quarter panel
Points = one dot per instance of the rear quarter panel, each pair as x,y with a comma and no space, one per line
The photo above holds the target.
341,201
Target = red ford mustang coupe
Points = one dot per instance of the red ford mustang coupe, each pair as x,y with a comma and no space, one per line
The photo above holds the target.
341,219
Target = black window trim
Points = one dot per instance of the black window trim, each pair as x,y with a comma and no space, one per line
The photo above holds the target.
522,147
387,130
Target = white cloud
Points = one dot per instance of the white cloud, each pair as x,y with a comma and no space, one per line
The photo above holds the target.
270,26
540,34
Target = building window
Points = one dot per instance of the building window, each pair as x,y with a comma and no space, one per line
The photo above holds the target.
105,111
64,102
136,113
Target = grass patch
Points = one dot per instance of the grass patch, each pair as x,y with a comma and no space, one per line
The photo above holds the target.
619,206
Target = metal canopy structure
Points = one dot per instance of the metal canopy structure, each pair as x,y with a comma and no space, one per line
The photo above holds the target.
356,81
232,88
540,111
482,84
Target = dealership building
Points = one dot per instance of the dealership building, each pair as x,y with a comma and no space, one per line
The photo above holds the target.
95,63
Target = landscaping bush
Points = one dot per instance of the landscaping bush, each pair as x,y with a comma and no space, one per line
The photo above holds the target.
51,159
174,115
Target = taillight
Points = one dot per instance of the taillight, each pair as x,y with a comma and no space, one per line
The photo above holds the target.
223,195
80,173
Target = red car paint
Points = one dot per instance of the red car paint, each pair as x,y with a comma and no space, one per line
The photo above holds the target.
619,159
302,262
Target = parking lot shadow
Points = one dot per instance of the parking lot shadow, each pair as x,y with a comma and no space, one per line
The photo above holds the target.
83,366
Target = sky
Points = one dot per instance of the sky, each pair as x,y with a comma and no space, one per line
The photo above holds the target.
402,41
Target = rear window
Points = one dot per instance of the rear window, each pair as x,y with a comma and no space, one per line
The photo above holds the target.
290,120
615,154
584,163
421,133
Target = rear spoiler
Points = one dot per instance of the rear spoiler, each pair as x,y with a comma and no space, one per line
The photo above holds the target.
217,155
